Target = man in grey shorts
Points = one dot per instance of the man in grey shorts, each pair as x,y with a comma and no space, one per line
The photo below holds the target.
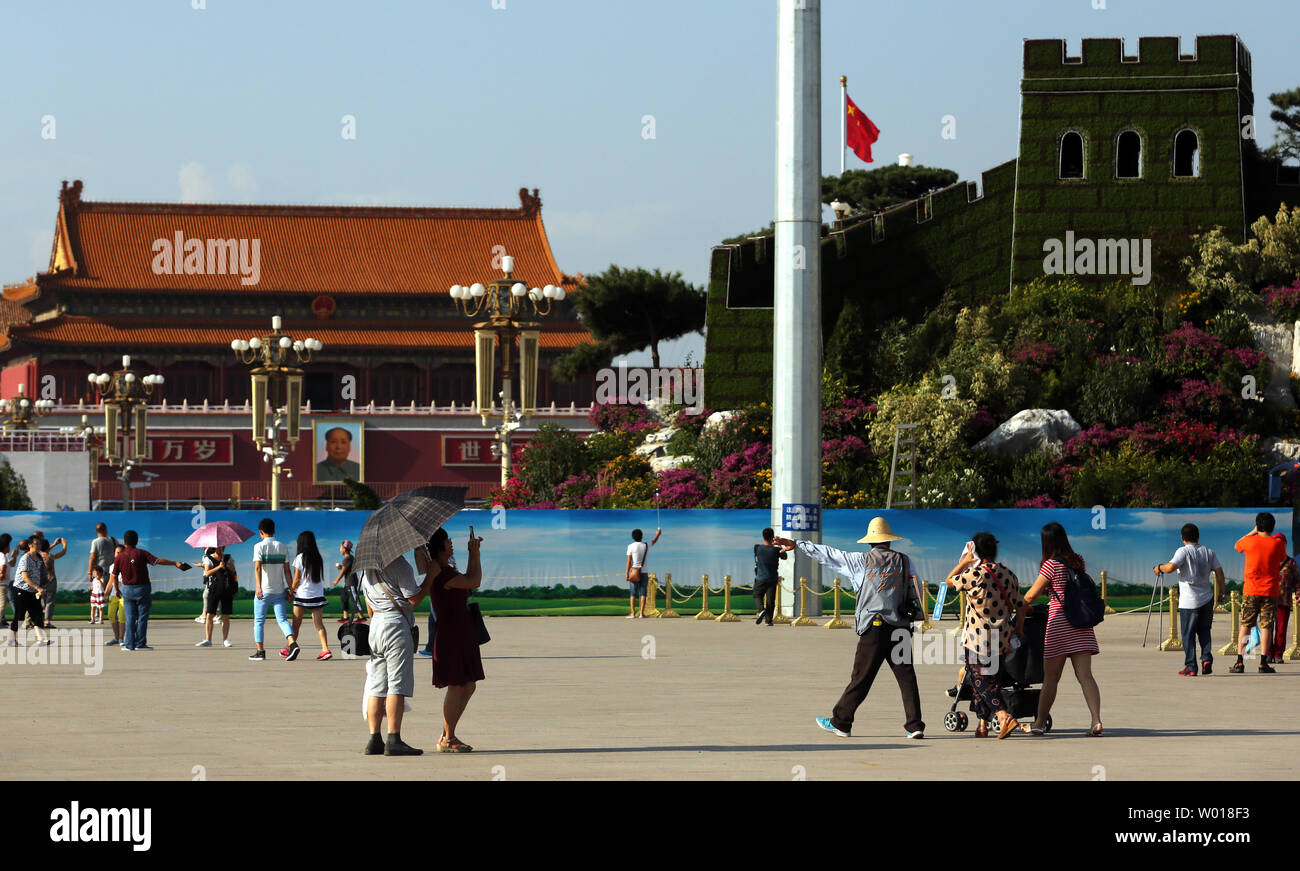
391,597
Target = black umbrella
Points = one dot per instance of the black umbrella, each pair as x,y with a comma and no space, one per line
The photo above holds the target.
405,522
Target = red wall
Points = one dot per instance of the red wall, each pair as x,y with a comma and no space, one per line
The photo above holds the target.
22,373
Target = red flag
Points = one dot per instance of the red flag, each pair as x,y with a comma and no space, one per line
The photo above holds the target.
861,132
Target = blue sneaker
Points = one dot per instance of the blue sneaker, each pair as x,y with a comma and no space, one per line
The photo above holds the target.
112,642
422,652
144,647
825,723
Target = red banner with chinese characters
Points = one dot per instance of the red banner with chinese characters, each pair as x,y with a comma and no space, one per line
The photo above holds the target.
474,450
188,449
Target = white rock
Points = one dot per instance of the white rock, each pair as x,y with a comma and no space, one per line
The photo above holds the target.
1034,429
716,419
648,450
661,464
661,436
1281,451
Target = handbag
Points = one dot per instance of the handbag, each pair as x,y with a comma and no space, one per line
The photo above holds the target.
476,617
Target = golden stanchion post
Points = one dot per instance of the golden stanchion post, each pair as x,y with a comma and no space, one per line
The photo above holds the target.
961,615
778,619
1104,597
1219,607
705,613
652,594
668,611
1294,651
926,625
836,622
803,619
726,616
1174,641
1231,647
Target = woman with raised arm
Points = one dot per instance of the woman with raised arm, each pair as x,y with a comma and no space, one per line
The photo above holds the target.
456,661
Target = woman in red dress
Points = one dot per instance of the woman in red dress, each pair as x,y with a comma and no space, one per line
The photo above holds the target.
1064,640
456,662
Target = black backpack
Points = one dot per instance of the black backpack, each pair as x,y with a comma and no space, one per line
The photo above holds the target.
1084,606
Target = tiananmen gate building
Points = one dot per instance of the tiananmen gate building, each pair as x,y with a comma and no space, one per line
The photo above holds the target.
371,283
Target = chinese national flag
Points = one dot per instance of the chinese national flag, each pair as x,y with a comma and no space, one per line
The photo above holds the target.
861,132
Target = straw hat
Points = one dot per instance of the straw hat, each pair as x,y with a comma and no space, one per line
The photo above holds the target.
877,531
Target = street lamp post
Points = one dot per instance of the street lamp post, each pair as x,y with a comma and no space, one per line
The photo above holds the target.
126,410
93,437
22,411
504,301
277,382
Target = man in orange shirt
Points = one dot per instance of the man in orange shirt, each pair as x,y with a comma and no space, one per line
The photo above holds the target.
1264,555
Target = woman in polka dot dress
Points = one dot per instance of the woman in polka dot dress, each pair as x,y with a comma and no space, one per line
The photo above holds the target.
1064,640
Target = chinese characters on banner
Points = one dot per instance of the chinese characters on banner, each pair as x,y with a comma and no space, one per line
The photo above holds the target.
165,449
474,450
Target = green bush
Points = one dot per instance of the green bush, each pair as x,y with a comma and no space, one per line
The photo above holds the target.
1118,393
554,454
601,447
1232,475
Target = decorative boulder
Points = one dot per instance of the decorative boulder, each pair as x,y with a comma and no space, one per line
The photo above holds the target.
663,464
718,418
1280,451
1034,429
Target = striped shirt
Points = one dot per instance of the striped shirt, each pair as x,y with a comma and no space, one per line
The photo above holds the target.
1063,638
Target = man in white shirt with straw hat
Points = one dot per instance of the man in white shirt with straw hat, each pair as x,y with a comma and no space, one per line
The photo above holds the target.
889,599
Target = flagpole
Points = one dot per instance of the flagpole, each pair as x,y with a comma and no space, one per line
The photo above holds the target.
844,111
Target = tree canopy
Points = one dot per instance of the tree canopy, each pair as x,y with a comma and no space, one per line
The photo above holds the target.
627,310
1286,113
870,190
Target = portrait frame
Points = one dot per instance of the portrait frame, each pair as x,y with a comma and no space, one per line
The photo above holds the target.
320,462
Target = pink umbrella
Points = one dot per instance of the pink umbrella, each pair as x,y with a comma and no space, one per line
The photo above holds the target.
219,534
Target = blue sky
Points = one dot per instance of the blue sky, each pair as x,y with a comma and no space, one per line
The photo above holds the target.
458,102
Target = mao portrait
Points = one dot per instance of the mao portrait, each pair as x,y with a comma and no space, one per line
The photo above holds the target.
339,451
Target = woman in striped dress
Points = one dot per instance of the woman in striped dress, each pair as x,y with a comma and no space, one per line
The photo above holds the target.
1064,641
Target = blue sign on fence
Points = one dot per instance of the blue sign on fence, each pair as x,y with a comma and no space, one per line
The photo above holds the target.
798,517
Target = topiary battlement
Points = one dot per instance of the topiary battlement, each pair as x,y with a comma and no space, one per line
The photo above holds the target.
1047,60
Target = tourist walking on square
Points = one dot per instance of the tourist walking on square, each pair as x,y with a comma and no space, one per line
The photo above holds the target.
271,579
391,596
766,576
995,613
1290,582
1064,640
351,583
6,574
889,599
218,594
637,554
309,591
457,664
51,578
116,608
1263,583
1200,587
28,589
137,591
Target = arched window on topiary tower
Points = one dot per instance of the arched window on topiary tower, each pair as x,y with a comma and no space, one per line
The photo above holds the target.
1187,154
1128,155
1071,157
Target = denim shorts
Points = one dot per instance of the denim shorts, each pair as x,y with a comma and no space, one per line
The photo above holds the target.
638,588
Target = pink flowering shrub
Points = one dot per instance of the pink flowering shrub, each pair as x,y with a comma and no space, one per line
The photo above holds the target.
1199,400
1042,501
681,488
634,418
1284,302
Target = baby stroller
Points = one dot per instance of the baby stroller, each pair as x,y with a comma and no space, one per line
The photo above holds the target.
1020,671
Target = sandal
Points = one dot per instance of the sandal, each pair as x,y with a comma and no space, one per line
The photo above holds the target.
982,730
1009,725
1237,668
454,747
1095,731
1036,730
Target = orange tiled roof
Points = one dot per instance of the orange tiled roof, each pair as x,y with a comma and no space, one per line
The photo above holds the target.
90,332
337,250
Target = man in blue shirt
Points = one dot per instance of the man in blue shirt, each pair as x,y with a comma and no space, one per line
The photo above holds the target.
889,600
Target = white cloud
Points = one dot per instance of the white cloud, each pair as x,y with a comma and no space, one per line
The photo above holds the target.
197,185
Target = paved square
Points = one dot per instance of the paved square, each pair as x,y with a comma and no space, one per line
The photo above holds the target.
574,698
